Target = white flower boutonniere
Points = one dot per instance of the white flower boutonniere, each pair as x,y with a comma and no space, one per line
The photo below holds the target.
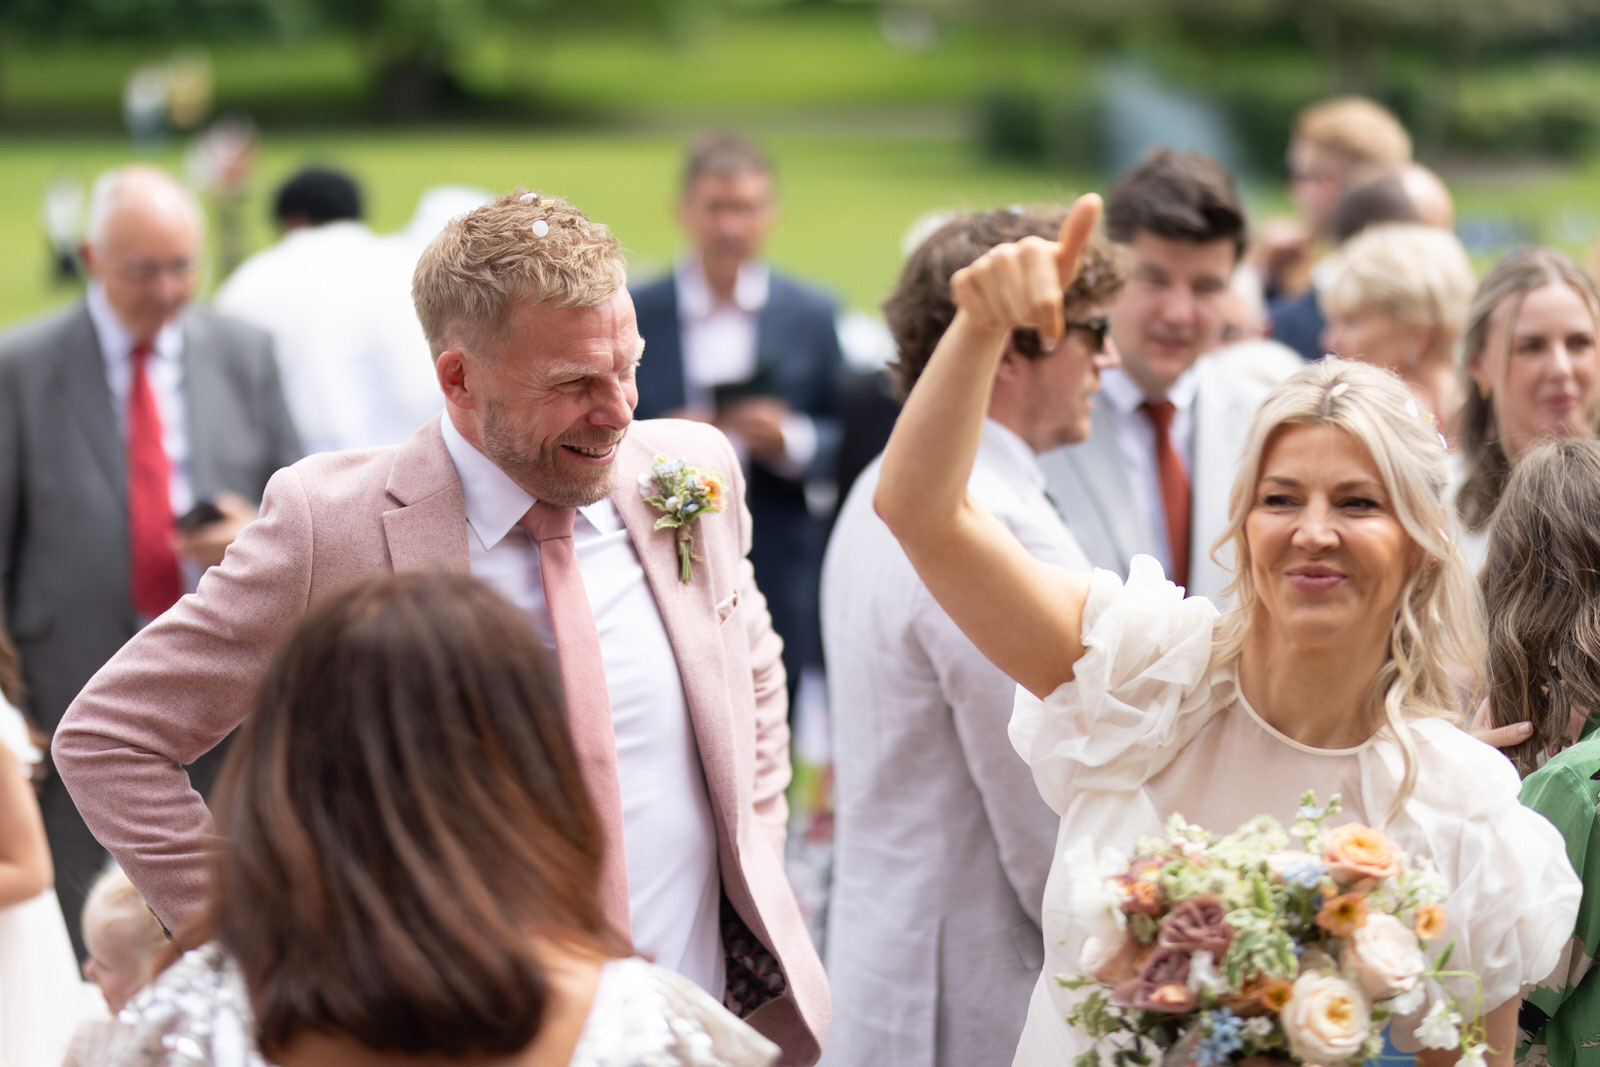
684,493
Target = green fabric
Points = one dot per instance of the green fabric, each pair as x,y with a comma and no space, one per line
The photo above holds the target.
1566,792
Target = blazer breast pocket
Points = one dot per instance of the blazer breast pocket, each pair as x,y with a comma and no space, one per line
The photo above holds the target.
726,606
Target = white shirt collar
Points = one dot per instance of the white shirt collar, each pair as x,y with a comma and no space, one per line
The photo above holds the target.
695,299
494,502
1124,394
1016,449
116,340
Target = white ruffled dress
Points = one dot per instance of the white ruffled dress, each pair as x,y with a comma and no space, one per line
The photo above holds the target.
1150,725
42,998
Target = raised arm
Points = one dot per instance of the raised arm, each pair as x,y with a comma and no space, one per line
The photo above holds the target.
1024,615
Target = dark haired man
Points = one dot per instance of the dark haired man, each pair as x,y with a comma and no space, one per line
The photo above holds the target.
336,298
1154,475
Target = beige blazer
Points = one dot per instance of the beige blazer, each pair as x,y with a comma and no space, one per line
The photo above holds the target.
180,686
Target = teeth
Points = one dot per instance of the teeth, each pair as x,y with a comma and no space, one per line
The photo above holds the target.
595,452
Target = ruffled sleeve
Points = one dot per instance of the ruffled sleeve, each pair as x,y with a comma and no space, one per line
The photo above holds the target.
1142,688
1512,897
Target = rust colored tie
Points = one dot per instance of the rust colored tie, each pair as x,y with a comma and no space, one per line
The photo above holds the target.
154,566
583,678
1174,487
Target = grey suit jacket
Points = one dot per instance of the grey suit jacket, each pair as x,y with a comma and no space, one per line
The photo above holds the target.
189,678
1090,481
941,841
64,559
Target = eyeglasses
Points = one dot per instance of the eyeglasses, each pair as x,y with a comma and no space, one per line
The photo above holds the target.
145,271
1097,328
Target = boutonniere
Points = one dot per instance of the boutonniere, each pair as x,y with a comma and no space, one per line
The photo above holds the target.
683,493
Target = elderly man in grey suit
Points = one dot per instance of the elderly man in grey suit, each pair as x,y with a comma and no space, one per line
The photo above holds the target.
117,414
1153,477
942,843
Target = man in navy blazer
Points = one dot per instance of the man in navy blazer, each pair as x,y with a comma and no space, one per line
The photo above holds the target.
728,340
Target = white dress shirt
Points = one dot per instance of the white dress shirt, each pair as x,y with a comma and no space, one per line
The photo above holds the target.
164,372
1136,441
674,883
719,341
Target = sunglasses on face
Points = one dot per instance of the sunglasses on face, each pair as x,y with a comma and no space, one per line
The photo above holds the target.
1096,328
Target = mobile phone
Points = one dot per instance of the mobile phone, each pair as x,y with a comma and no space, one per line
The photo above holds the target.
204,513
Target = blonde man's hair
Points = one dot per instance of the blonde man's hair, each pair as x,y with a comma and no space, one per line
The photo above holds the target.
1411,272
523,246
1355,132
1436,640
115,910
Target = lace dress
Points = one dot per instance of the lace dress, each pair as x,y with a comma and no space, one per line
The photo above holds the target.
1151,725
41,995
197,1014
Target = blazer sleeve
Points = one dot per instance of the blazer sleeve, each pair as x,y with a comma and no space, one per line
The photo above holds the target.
175,691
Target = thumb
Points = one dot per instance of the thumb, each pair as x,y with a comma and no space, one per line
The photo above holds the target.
1075,231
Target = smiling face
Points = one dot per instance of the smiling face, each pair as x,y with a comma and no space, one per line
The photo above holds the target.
1541,369
554,401
1328,554
1173,308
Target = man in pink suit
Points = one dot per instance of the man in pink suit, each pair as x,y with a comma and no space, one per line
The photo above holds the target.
534,342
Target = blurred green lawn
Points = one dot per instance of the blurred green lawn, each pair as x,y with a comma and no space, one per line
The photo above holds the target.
866,139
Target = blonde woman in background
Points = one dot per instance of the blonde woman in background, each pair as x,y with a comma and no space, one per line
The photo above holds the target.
1397,296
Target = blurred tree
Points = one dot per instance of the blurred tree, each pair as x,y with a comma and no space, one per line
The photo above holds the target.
1346,34
415,48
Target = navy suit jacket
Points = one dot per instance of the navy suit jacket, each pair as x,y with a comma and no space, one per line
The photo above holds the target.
798,361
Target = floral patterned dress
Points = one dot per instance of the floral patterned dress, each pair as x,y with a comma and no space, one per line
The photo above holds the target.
197,1014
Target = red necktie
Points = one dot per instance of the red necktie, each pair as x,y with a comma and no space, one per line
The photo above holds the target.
155,566
1174,486
583,677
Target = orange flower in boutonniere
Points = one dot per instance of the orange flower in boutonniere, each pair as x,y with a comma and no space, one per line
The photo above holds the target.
683,493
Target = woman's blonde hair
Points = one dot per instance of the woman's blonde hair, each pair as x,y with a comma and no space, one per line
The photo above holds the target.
1437,633
1508,283
1413,273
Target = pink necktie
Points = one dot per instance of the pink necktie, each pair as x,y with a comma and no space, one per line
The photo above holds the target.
1174,487
583,677
154,568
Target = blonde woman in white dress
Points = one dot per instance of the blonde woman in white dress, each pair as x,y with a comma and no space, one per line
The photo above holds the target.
1333,673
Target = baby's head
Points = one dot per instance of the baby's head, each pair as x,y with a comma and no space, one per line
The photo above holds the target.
124,939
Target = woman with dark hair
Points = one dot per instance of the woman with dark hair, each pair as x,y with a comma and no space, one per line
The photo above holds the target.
1530,372
1335,671
1541,585
413,863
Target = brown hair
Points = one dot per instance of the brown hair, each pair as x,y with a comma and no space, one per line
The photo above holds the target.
1507,283
1356,132
723,152
1541,589
1177,196
406,820
920,310
482,264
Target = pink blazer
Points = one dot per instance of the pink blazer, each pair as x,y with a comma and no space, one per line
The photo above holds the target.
179,687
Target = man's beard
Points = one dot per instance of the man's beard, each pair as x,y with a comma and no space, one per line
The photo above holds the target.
541,475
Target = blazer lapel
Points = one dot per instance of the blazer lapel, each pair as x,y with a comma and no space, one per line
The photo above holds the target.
689,614
428,531
81,376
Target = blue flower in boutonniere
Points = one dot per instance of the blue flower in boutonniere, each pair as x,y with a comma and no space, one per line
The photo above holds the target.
684,493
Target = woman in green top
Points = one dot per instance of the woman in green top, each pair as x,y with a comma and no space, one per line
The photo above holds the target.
1541,586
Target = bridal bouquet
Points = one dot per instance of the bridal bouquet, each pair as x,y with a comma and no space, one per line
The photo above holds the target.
1209,949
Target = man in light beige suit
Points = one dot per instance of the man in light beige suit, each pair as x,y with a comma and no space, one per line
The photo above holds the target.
942,843
535,347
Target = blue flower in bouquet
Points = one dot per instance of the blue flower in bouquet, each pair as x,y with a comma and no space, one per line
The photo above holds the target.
1223,1036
